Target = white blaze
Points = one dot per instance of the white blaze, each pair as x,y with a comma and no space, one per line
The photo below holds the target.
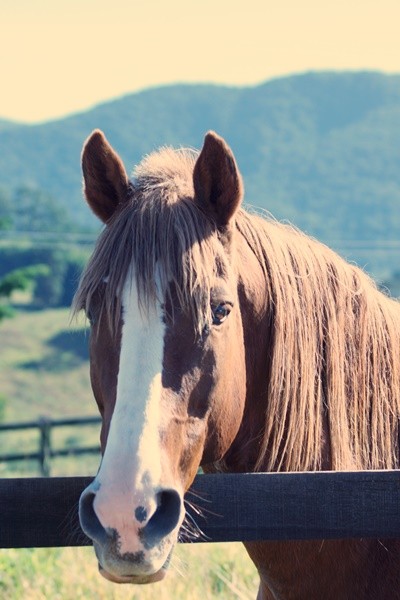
130,471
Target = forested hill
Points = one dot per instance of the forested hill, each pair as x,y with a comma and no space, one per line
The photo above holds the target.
321,149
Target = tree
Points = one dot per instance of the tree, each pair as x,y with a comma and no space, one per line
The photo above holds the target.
3,404
5,210
29,208
18,279
34,209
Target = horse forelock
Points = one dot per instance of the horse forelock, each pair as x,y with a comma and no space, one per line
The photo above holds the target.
160,236
167,172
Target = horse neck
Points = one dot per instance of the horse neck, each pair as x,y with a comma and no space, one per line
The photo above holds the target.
329,569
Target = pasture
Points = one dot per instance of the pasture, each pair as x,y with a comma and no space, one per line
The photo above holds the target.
44,367
59,386
199,572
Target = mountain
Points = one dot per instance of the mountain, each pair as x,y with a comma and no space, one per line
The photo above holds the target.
6,124
321,150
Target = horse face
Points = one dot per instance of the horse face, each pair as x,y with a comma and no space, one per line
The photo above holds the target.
170,401
170,398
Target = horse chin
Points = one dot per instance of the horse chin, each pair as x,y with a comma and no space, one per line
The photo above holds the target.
133,579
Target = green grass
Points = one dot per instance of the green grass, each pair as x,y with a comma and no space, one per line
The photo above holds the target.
44,371
197,572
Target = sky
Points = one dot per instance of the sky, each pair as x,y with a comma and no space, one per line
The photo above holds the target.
59,57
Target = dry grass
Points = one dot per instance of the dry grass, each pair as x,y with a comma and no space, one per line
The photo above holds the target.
197,572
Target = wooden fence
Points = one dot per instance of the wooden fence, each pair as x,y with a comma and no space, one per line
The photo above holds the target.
46,451
42,512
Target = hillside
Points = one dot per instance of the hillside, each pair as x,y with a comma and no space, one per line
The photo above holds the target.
38,350
321,149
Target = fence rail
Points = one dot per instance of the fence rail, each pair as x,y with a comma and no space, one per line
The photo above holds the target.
42,512
46,452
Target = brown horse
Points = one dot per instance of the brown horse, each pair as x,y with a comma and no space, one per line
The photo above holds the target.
230,341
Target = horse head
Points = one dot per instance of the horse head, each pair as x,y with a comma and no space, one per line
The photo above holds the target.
166,344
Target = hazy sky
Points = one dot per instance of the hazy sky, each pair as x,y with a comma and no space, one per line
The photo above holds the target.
63,56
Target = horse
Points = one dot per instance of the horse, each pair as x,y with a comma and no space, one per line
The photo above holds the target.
223,339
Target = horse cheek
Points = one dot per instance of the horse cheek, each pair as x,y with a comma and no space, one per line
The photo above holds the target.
228,395
224,419
182,442
191,458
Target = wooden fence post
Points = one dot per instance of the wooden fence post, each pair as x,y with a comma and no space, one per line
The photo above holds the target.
45,446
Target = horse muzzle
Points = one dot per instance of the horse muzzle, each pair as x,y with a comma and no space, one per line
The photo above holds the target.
137,549
129,569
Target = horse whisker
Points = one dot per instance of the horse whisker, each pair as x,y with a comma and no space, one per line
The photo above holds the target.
201,511
196,531
192,492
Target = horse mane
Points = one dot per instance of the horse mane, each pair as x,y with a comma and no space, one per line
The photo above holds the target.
335,349
335,360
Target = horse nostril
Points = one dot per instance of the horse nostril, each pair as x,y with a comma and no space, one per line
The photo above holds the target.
88,519
165,518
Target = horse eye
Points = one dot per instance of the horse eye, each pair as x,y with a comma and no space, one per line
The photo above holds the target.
220,313
91,315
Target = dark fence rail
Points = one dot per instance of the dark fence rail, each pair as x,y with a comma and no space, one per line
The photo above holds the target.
45,450
42,512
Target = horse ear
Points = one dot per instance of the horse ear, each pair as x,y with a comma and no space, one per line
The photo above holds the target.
106,183
217,182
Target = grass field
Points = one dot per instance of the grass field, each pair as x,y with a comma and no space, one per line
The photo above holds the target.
43,366
44,371
197,572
